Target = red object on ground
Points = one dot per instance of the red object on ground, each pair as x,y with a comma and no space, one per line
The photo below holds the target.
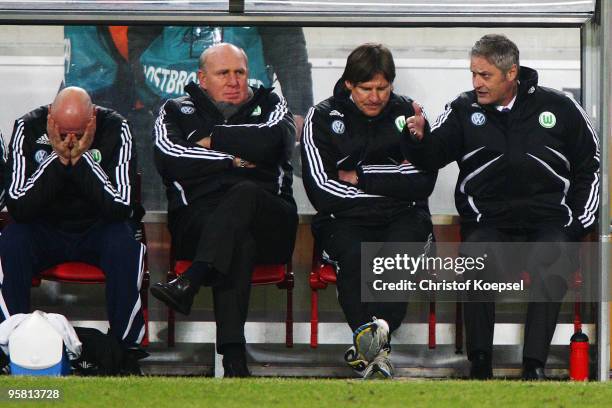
579,357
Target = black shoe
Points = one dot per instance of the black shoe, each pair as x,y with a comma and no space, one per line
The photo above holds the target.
177,294
235,368
534,374
482,368
131,361
234,361
5,364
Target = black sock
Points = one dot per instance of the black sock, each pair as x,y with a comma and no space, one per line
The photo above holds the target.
197,273
532,363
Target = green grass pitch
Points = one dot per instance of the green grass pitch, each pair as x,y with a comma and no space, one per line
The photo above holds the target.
295,393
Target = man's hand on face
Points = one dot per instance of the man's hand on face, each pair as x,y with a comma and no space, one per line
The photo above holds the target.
82,144
416,123
349,176
61,147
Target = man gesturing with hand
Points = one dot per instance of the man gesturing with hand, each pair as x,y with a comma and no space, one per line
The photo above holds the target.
528,160
416,123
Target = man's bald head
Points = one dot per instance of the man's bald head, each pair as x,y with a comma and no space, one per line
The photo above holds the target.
71,110
221,50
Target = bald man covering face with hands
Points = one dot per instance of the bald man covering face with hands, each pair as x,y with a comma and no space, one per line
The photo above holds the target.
70,189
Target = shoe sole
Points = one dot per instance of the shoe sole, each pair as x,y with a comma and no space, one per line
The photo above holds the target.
378,374
168,301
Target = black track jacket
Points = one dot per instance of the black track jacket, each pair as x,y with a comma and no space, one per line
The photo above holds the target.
100,187
261,132
537,165
338,136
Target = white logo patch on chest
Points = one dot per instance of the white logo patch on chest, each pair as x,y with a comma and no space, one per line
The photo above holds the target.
400,123
478,119
40,156
547,120
44,139
96,155
256,111
338,126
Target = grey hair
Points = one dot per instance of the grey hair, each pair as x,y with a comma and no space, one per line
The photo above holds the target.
498,50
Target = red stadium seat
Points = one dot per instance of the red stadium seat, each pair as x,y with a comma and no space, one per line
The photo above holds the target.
321,275
73,272
278,274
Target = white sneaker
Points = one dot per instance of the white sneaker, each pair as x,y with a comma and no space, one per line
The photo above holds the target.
370,339
380,369
358,364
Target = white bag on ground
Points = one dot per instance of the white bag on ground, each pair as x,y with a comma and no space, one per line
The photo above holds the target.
35,343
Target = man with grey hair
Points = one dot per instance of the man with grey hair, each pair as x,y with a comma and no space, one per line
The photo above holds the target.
528,160
70,189
223,152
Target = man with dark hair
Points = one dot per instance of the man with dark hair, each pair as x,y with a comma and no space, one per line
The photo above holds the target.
528,161
70,177
369,59
364,189
223,152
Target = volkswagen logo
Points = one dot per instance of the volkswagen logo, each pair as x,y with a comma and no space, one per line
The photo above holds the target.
478,119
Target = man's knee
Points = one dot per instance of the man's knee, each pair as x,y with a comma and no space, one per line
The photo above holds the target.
347,261
118,237
240,201
553,247
413,227
544,254
551,234
481,234
121,255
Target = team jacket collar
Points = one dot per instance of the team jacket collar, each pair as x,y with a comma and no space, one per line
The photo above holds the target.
203,102
528,83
